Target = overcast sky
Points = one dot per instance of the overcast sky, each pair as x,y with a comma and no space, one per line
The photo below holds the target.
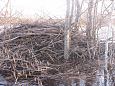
30,8
34,8
40,7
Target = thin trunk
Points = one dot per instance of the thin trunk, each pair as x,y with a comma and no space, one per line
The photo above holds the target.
106,65
78,11
66,44
67,31
77,15
89,27
89,20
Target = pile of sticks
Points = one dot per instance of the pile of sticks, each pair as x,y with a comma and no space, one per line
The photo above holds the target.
34,50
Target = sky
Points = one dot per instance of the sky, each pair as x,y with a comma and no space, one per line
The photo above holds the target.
34,8
43,8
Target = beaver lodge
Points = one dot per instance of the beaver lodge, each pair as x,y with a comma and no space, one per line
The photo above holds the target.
35,53
78,50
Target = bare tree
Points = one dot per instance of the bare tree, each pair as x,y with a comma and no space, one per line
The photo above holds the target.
69,15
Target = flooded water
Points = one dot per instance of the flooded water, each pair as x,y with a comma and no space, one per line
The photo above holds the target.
3,82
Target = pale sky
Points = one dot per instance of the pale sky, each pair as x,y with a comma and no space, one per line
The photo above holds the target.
43,8
40,7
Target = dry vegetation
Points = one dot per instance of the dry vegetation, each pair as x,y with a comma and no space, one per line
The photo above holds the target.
30,51
48,52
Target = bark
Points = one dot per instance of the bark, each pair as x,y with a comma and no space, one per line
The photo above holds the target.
106,65
89,20
89,27
78,11
67,31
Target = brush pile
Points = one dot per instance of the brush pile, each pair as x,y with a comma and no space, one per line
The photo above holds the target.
35,52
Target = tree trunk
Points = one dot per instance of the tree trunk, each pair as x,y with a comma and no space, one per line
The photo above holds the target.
67,30
89,20
106,65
